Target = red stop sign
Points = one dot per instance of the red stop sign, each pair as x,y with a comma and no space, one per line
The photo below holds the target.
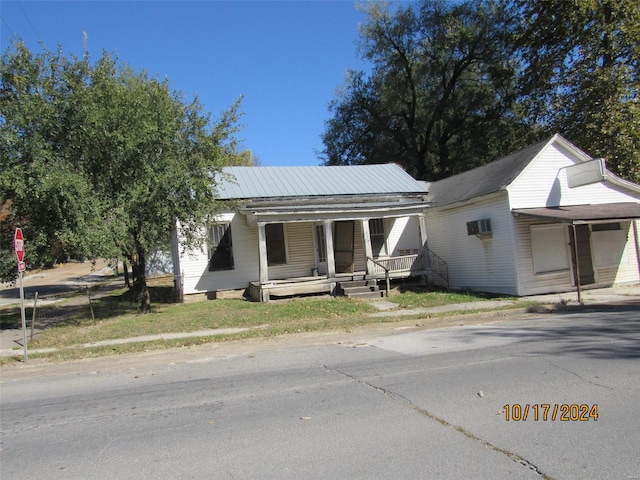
18,242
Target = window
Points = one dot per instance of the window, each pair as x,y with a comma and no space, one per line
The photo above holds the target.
549,245
276,248
376,229
220,247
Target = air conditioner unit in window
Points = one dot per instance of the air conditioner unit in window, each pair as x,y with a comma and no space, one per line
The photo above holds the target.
480,227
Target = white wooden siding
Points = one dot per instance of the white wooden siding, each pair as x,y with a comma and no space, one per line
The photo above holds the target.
529,282
300,252
402,234
195,264
480,264
606,274
615,255
544,184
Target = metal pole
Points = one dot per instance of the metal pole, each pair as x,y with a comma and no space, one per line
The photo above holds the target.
24,322
91,306
637,238
576,263
33,317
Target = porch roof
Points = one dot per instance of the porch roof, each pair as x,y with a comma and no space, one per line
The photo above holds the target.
577,214
336,210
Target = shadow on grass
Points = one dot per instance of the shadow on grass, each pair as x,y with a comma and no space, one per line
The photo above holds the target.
75,309
413,287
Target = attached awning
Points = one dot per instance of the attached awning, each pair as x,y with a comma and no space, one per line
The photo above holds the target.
580,214
300,211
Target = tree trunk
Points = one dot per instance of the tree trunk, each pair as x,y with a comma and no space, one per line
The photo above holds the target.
138,272
125,268
140,283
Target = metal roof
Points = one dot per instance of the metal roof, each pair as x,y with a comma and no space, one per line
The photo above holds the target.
609,212
315,181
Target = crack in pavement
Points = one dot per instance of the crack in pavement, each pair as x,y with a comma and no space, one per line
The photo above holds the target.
580,377
396,397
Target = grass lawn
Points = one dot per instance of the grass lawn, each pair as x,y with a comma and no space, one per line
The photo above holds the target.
116,316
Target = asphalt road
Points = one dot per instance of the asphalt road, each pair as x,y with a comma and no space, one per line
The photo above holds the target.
416,405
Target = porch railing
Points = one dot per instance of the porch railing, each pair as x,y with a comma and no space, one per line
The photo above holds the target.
408,263
439,267
405,263
379,265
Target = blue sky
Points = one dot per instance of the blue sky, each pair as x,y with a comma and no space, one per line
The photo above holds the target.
286,57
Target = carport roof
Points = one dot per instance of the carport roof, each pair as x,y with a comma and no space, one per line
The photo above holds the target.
610,212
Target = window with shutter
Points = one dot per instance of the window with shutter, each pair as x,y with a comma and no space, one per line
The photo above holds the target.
220,247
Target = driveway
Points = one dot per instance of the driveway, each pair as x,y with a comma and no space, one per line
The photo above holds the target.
63,279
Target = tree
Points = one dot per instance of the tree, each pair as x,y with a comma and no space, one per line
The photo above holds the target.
440,97
582,74
42,190
133,155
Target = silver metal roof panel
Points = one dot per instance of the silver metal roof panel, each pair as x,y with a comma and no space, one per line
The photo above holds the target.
313,181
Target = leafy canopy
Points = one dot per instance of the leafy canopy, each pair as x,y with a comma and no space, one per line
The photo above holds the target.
100,160
582,74
440,95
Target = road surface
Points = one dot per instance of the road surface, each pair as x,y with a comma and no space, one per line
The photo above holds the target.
414,405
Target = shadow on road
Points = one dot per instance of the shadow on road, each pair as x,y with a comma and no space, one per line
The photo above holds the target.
617,338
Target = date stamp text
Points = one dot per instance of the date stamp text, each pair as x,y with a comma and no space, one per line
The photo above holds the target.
545,412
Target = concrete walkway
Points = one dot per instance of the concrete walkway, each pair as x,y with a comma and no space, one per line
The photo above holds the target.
604,296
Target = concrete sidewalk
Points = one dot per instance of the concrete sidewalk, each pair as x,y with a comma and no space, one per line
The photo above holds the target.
589,297
11,340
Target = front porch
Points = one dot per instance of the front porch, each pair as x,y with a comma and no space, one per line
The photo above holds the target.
353,284
305,247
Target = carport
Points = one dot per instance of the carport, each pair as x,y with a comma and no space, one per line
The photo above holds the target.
578,217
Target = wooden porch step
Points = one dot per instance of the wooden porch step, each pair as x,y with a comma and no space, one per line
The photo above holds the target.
363,289
363,295
355,283
359,289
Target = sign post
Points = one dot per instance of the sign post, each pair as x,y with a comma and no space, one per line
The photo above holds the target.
18,242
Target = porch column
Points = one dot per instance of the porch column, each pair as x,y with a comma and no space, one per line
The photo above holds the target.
328,241
426,260
368,250
263,266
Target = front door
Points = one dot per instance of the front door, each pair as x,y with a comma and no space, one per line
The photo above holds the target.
584,263
343,245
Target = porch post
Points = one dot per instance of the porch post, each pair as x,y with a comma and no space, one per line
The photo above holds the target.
576,264
637,239
328,240
368,250
262,261
426,260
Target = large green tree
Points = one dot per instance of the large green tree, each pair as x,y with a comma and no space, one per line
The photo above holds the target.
440,95
40,187
108,160
582,75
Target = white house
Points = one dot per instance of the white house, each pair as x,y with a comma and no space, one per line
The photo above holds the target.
546,219
301,230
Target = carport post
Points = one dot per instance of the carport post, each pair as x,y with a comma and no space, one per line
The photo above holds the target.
575,259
